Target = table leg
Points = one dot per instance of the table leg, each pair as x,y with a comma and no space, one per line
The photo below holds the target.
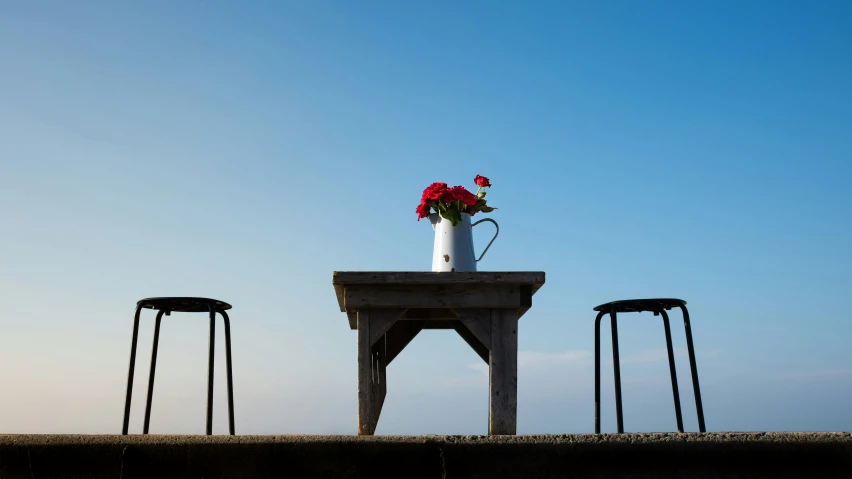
503,378
365,375
373,324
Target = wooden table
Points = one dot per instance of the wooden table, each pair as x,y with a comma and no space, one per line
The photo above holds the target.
389,308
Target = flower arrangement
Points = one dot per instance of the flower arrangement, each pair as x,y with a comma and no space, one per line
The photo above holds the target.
450,203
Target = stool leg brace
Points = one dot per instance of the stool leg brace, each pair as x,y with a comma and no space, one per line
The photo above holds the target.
617,370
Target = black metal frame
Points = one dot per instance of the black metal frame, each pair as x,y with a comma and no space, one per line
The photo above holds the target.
212,309
658,307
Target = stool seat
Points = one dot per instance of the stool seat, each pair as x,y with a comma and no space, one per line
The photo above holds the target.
184,304
639,305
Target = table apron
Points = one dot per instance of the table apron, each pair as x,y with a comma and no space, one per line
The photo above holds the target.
511,296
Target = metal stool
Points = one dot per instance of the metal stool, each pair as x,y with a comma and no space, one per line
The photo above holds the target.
658,307
185,305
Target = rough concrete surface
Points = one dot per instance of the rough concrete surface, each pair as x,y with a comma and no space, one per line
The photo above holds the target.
710,455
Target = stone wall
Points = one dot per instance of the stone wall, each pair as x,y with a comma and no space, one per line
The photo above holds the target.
739,455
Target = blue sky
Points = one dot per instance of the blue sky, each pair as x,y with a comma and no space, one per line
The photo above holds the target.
246,151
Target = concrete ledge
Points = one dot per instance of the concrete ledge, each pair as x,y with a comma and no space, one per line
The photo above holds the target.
741,455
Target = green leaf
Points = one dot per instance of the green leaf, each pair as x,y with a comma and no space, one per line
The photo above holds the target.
486,209
481,194
453,215
477,207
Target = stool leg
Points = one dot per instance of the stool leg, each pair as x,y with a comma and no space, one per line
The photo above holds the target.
230,376
130,372
151,374
210,371
672,370
598,372
617,369
693,369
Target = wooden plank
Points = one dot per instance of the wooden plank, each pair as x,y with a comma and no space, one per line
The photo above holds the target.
418,277
439,313
398,337
432,315
338,291
439,324
478,322
472,341
340,279
503,374
382,380
526,296
381,320
365,375
429,313
377,392
436,296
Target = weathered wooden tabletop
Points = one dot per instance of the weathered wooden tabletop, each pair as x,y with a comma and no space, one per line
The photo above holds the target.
390,308
380,289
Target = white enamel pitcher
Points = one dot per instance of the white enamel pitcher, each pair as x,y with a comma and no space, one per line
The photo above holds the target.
453,249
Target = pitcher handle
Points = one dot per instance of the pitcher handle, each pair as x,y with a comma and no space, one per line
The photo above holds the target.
492,239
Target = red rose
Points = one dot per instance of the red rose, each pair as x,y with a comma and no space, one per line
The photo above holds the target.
458,193
467,198
433,191
481,181
422,211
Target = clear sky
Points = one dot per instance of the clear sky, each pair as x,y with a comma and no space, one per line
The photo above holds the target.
246,150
